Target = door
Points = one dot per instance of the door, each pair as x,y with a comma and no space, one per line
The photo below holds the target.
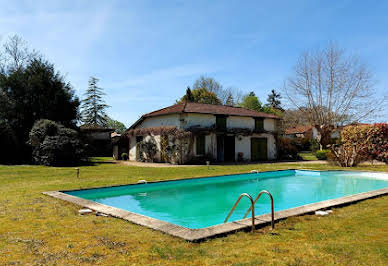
220,148
229,148
259,149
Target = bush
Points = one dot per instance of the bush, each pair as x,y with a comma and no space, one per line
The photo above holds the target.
354,145
286,149
54,145
322,155
124,156
314,145
302,144
147,150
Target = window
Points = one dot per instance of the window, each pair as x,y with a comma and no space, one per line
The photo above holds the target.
200,145
220,122
259,124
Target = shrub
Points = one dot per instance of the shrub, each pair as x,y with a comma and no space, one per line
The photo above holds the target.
286,149
322,155
53,144
147,150
377,144
124,156
314,145
302,144
355,145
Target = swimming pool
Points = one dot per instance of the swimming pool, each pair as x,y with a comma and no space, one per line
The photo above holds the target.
204,202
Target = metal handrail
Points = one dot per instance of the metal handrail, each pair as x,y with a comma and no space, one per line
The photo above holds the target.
272,211
251,208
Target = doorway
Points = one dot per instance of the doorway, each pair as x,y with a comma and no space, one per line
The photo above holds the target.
226,148
259,149
229,148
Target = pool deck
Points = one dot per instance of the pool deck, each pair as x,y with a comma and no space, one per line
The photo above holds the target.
197,235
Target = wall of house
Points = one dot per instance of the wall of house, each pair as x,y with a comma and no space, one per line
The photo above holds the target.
243,144
133,154
210,145
132,149
269,124
159,121
249,122
202,120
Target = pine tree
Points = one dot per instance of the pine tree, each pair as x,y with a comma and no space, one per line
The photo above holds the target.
93,106
189,95
273,100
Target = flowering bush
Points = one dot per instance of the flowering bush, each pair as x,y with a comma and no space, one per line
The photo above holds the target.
360,143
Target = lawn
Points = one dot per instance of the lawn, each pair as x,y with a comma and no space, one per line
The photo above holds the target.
37,229
307,156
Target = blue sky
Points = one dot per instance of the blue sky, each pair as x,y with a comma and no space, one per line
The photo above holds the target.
146,53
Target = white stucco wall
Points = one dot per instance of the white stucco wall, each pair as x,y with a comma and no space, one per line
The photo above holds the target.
132,149
243,144
269,124
159,121
240,122
202,120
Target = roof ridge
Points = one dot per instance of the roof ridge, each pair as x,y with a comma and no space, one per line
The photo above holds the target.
162,109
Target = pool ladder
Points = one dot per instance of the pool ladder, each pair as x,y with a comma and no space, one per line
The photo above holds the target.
252,208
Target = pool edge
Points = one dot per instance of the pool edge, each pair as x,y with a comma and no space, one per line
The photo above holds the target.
197,235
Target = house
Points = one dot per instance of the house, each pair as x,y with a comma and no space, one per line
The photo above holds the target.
192,131
98,139
308,132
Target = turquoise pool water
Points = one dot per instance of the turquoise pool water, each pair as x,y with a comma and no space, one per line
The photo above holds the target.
203,202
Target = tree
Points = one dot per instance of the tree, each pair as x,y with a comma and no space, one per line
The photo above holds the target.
93,106
35,91
251,102
118,126
15,54
201,96
224,95
53,144
294,118
333,87
273,100
230,100
30,89
188,97
204,96
208,83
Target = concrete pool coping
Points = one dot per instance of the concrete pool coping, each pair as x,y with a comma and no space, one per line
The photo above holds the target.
196,235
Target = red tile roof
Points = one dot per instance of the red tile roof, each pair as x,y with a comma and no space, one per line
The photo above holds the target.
201,108
298,129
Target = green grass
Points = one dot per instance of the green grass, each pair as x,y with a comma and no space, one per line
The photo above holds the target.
307,156
37,229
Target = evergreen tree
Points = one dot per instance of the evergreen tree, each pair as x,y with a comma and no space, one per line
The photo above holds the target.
93,106
273,100
189,95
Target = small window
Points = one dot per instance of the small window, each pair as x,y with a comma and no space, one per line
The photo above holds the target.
220,122
259,124
139,139
200,145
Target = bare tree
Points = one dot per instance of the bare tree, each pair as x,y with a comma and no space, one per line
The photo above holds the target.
332,88
15,54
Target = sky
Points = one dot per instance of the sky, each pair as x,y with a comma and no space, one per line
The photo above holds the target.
146,53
